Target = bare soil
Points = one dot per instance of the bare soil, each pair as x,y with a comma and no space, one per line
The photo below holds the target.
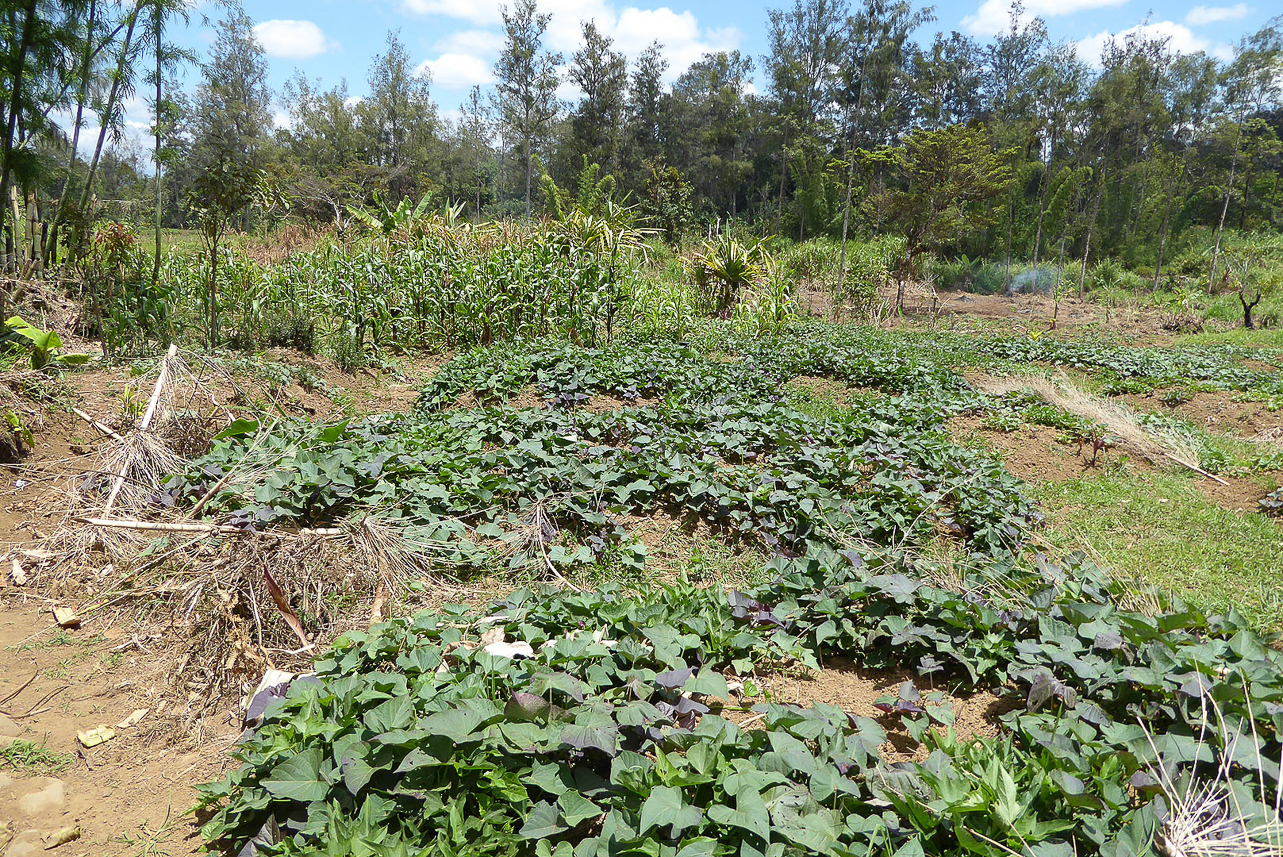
1217,411
1035,452
855,690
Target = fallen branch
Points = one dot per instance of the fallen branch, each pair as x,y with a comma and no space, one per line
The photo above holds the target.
143,426
211,529
107,430
1196,469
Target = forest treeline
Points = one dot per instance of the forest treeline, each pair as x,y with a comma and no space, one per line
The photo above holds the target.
1034,151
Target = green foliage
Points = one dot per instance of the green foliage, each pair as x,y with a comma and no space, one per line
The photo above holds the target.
44,346
728,265
122,305
386,219
28,757
667,202
870,266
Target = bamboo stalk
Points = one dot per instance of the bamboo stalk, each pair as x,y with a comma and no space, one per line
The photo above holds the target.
1196,468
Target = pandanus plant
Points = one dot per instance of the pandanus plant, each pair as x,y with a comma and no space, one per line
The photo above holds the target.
725,267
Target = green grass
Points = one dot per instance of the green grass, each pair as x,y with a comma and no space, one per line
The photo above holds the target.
34,758
1270,337
1160,530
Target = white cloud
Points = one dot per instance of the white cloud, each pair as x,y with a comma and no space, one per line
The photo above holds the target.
480,12
458,71
292,40
483,43
994,16
1202,15
633,29
1180,40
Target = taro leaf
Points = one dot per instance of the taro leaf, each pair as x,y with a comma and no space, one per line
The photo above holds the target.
1142,781
1196,686
603,738
457,724
576,809
543,821
1108,641
665,807
700,846
563,682
792,752
674,679
1068,783
330,434
899,586
709,683
548,776
298,778
750,814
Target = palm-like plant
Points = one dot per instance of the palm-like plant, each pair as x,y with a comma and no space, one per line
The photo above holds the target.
386,219
726,266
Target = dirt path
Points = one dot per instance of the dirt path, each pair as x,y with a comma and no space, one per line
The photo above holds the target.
122,795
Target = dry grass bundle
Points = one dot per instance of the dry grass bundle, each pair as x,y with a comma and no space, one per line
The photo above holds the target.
400,552
1209,817
1062,393
535,533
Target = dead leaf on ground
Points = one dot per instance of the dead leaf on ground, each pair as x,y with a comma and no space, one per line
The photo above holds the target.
93,737
133,719
66,617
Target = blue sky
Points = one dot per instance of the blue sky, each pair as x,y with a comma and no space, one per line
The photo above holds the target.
458,40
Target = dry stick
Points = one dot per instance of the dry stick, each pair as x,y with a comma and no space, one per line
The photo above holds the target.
1196,468
143,426
107,430
214,529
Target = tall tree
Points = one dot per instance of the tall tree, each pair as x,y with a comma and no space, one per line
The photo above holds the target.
602,76
232,113
399,118
645,110
803,63
526,87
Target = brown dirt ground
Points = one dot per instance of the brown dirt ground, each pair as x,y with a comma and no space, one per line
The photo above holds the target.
1035,452
844,683
838,392
1217,411
136,785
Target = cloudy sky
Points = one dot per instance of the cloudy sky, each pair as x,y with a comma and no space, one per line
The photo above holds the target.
459,40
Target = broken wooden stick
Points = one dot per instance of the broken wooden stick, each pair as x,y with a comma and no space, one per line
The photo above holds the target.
1196,469
211,529
105,429
143,426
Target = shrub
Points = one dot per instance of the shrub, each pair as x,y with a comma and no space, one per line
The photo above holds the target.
346,351
289,326
869,267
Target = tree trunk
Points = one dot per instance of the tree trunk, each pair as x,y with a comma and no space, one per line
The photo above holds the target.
1220,225
155,268
1247,309
81,94
108,108
15,107
1091,225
